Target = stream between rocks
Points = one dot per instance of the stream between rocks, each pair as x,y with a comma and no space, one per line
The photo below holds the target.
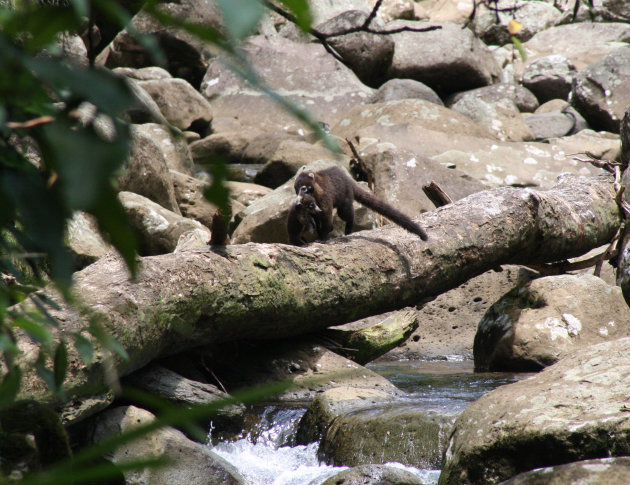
268,456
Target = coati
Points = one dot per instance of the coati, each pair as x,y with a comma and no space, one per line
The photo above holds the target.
303,218
332,188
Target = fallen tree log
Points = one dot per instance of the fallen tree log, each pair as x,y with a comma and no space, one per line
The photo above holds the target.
265,291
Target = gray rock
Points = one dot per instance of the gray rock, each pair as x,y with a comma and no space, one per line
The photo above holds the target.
501,118
601,91
550,125
190,199
415,436
305,74
534,17
185,54
395,89
180,104
537,324
522,97
374,475
288,158
180,391
158,229
188,462
604,471
144,109
449,59
173,144
84,239
323,10
574,410
549,77
368,55
145,172
399,176
625,137
194,239
245,193
152,73
582,43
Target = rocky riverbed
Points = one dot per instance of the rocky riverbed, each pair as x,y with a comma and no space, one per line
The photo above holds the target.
441,100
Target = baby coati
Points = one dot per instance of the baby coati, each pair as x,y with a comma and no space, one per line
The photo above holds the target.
332,188
303,219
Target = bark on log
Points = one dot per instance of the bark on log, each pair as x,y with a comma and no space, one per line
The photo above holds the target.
261,291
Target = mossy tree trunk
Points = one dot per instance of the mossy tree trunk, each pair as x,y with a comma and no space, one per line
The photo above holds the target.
267,291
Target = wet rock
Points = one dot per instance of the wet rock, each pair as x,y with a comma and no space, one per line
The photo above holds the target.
374,475
574,410
180,103
157,228
188,462
535,325
404,433
395,89
491,24
368,55
449,59
549,77
146,173
605,471
601,91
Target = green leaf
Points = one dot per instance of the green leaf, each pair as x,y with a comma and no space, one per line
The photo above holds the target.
241,17
9,387
84,347
519,47
217,192
108,341
61,364
44,372
37,331
301,11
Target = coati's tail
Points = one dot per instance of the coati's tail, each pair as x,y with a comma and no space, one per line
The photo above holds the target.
393,214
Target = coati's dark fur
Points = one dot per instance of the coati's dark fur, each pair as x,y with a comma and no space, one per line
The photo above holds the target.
304,218
332,188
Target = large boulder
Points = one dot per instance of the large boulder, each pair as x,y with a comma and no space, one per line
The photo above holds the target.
447,59
185,54
145,171
582,43
549,77
158,229
181,104
305,74
84,239
187,461
374,475
395,89
368,55
406,433
399,176
522,97
537,324
601,92
173,144
574,410
603,471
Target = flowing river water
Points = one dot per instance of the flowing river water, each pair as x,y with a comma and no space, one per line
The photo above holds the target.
268,456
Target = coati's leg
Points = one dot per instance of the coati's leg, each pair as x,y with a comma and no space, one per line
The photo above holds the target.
346,212
325,225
